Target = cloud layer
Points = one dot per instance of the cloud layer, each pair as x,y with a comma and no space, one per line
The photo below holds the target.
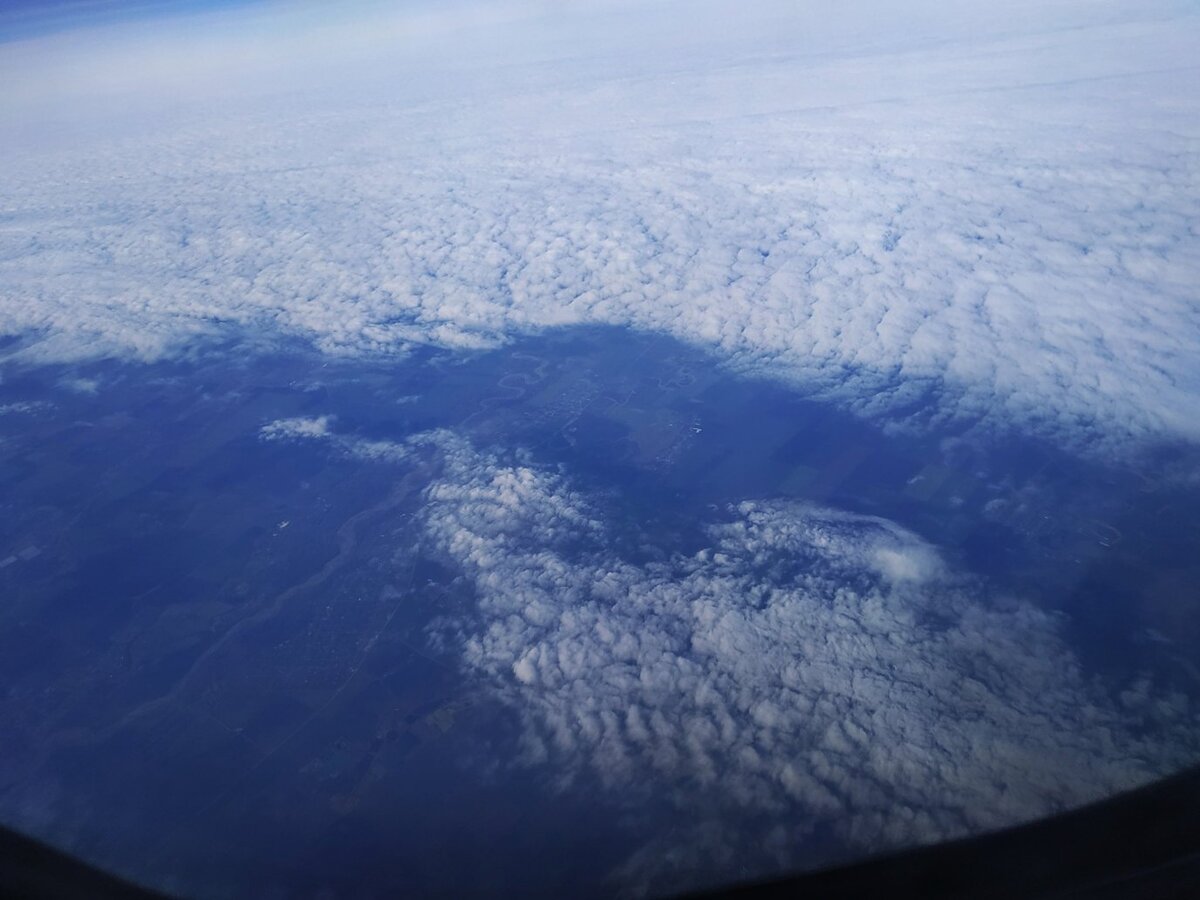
821,671
959,213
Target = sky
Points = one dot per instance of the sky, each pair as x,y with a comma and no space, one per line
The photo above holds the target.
24,19
940,216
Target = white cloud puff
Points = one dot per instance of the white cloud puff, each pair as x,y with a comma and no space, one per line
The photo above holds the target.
820,670
320,428
925,212
299,428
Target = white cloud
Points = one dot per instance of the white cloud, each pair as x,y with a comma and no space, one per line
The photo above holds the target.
299,428
319,428
24,406
810,669
979,211
81,385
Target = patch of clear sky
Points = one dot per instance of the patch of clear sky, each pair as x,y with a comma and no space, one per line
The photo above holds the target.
24,19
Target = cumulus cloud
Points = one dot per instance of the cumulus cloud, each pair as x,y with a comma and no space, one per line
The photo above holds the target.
320,428
925,212
818,670
298,428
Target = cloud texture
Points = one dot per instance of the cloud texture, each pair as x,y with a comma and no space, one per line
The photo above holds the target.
934,211
814,668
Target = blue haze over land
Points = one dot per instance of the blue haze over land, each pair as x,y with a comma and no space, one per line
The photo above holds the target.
591,448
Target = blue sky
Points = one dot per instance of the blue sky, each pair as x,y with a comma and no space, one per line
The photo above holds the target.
31,18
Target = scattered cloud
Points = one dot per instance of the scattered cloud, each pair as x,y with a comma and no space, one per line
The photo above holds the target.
299,428
319,428
24,406
809,670
81,385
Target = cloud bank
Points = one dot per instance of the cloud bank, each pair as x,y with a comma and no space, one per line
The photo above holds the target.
822,671
934,213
